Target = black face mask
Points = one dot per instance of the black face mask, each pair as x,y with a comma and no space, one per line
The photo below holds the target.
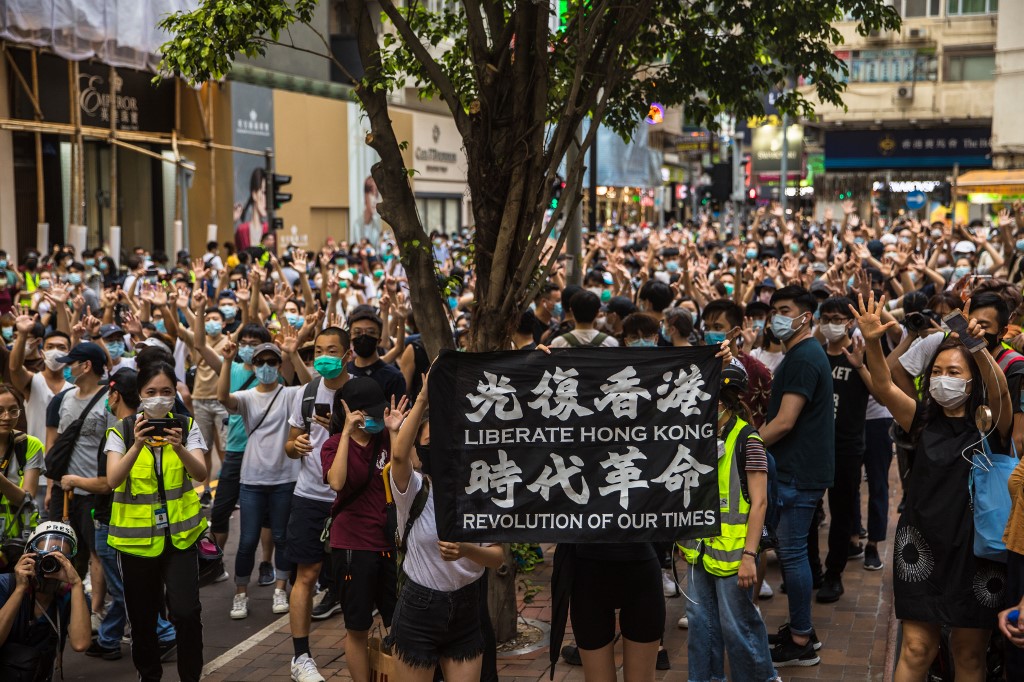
423,452
992,341
364,346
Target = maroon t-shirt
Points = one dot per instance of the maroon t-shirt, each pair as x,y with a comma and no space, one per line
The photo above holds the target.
361,524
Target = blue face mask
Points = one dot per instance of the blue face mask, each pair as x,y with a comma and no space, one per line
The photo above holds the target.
758,325
642,343
8,333
453,302
858,240
67,375
90,262
265,374
961,272
228,312
116,349
75,278
294,319
160,326
714,338
371,425
751,254
3,262
672,266
556,311
1020,244
729,289
783,328
245,354
693,316
213,328
44,284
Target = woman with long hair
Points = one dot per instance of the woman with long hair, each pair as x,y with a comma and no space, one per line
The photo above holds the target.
251,219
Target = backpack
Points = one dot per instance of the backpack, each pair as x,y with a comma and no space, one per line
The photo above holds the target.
771,514
309,400
573,341
58,459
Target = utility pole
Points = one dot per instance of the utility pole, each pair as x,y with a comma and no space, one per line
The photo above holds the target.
593,183
784,166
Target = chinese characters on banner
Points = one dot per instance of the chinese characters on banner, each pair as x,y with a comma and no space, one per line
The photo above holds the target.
582,445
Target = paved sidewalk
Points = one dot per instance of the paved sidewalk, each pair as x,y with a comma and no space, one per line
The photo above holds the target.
853,631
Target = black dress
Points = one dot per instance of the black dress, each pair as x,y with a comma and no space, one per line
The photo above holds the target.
936,577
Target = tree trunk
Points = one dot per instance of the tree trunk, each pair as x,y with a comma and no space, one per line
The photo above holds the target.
501,598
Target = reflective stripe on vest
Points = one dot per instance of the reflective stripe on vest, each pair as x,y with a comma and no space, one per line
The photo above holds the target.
721,555
135,502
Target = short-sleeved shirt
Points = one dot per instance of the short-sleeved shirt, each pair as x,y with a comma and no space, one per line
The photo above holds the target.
584,337
851,402
361,524
387,376
264,461
237,436
920,353
310,483
805,457
33,459
36,632
64,409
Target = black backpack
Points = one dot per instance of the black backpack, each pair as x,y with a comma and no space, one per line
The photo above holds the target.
58,459
771,514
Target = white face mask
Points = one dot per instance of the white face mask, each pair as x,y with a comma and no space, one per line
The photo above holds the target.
157,406
833,332
950,392
50,358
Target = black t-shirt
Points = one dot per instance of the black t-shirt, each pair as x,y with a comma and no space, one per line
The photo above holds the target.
850,397
1014,380
102,503
387,376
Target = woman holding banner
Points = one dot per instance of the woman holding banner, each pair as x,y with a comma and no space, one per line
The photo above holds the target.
437,618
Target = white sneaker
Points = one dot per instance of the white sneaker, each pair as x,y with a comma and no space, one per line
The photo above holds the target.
668,584
684,623
304,670
766,591
240,607
222,577
96,620
280,601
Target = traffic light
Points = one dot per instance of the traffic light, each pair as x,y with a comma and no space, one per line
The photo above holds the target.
752,197
277,182
884,199
943,193
556,191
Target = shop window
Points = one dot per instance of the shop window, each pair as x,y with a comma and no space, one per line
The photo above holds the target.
977,66
960,7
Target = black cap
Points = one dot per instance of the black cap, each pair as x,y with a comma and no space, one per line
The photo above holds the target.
86,351
108,330
124,381
365,395
364,312
620,305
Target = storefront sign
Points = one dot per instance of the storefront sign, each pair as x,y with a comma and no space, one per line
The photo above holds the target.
910,148
766,146
437,148
582,445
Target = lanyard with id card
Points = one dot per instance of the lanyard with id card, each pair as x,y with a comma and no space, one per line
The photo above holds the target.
160,515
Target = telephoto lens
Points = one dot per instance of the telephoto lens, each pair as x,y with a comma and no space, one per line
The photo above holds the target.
47,564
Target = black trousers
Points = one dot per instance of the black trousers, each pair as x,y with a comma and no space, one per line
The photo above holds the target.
80,520
150,584
843,499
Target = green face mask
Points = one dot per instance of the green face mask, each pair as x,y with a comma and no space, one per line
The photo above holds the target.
328,366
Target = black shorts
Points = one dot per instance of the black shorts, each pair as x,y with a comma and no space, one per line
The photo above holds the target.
632,587
430,625
368,579
228,485
305,526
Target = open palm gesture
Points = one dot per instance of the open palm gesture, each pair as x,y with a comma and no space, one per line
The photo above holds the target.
869,317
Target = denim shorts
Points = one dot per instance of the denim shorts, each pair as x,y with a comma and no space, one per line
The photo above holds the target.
430,625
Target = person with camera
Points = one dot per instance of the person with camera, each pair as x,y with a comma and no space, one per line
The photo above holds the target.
156,521
42,607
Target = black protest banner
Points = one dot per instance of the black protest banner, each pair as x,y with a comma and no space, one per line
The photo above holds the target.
582,445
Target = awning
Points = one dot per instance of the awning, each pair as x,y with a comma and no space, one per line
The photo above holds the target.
1007,182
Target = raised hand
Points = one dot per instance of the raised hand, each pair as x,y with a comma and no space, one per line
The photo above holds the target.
131,324
199,299
287,339
25,321
395,415
848,206
243,293
229,351
59,292
869,317
182,299
299,260
855,354
108,298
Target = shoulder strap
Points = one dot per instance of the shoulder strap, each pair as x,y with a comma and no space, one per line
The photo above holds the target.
570,340
419,503
309,399
19,447
1009,358
741,458
92,403
598,340
263,418
248,382
128,437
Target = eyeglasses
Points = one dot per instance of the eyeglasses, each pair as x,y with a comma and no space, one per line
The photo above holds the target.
834,320
270,362
12,413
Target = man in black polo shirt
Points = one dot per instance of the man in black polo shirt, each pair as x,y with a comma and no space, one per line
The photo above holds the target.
365,330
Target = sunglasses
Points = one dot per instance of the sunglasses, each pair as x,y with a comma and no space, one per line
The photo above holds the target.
270,362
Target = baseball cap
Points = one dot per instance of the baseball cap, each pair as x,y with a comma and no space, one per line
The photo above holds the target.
227,293
620,305
363,394
965,247
86,351
153,342
108,330
364,312
267,348
124,381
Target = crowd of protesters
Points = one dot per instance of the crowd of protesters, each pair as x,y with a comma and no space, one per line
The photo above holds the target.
155,397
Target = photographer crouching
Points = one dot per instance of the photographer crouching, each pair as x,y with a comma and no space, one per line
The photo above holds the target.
42,606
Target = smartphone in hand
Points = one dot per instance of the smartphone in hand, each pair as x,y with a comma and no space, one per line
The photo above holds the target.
956,322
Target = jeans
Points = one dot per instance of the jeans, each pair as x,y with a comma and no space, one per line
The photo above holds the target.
796,507
842,502
877,460
256,502
112,628
723,619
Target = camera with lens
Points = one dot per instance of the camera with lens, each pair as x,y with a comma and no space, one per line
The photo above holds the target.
919,321
47,564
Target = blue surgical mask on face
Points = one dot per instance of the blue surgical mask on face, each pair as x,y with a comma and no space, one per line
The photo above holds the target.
672,266
90,262
758,325
294,319
265,374
751,254
44,284
371,425
783,327
714,338
67,375
245,354
228,312
213,328
116,349
1020,244
160,326
961,271
729,289
557,309
642,343
858,240
8,333
74,278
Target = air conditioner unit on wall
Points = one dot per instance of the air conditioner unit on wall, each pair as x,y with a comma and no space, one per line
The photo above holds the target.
917,33
877,35
904,93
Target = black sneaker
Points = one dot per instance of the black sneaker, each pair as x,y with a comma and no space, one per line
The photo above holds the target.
327,607
168,649
831,590
571,654
788,653
856,551
863,533
206,499
97,651
663,663
872,562
266,574
783,634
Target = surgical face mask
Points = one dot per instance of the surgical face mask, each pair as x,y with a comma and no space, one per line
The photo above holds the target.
116,349
50,359
936,234
364,345
75,278
228,312
961,271
378,274
8,333
858,240
294,319
693,316
758,325
265,374
44,284
729,289
714,338
783,326
160,326
245,354
213,328
769,240
950,392
672,266
556,310
1020,244
596,291
157,406
642,343
90,262
371,425
794,247
328,366
833,331
751,254
68,376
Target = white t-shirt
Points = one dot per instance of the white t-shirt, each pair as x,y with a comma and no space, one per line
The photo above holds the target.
770,359
423,563
193,441
264,461
584,336
123,363
39,396
180,351
920,353
310,483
